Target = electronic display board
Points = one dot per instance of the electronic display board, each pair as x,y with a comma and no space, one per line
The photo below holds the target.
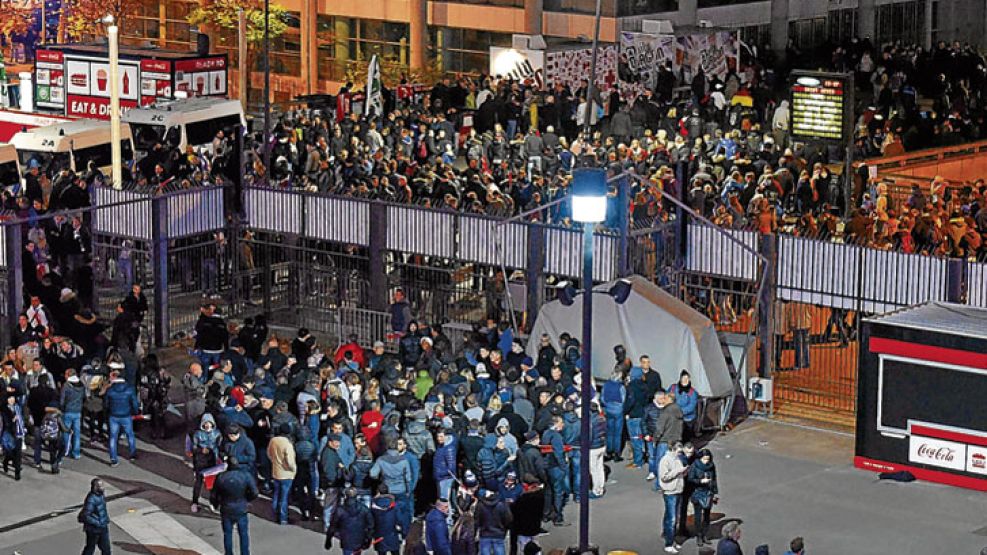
820,105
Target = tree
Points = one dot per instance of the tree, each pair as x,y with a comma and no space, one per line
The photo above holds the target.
14,19
84,18
223,15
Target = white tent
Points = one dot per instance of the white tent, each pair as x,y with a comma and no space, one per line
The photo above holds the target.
651,322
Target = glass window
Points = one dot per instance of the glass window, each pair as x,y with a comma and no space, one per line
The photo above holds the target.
902,21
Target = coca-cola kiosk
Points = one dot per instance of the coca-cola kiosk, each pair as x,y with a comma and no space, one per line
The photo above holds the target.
73,79
920,394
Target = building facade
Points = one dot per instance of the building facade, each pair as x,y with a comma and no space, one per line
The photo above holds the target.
326,38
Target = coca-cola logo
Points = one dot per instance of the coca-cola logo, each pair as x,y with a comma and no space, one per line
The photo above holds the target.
941,454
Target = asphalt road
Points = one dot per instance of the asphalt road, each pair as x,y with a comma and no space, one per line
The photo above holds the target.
779,481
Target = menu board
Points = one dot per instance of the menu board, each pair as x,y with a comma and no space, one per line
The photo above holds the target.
819,106
49,78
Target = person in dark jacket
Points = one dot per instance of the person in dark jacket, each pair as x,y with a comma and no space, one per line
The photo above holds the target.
353,524
95,520
470,446
232,492
634,404
557,468
527,511
332,476
702,477
121,406
730,544
437,529
38,399
72,397
307,479
211,336
238,445
387,539
530,460
444,462
493,521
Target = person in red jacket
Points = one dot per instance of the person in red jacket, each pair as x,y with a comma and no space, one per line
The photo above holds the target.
370,424
353,347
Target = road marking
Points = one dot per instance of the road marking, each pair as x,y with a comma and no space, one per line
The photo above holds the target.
159,533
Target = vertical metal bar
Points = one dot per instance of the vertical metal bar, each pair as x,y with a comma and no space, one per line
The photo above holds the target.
955,269
15,274
376,250
587,374
591,89
243,79
159,262
623,223
267,91
766,300
534,272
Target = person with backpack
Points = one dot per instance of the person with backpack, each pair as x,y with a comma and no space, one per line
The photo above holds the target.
53,431
38,399
387,538
95,520
202,447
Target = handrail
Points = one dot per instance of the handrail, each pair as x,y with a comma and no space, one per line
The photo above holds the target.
925,156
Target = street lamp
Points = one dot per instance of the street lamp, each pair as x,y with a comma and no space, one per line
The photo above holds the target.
116,157
589,207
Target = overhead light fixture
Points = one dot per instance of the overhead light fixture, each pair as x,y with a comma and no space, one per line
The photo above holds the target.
589,195
620,291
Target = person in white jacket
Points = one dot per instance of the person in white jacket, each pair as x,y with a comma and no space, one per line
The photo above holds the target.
671,477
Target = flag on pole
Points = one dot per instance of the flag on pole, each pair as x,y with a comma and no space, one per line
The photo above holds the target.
375,101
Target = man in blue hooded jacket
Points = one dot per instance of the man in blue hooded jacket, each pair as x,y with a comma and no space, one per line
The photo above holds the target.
121,406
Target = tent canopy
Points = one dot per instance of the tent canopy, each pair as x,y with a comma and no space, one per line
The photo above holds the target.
674,335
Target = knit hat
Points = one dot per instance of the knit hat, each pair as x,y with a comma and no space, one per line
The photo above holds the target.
469,479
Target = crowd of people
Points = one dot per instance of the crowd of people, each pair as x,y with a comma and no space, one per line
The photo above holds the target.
502,147
468,449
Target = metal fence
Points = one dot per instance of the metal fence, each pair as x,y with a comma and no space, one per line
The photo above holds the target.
332,264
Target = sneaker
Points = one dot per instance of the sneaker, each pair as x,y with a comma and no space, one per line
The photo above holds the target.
671,549
560,523
632,465
114,463
677,546
651,476
194,508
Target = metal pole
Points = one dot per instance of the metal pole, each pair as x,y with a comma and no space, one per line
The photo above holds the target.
242,62
591,89
586,393
116,157
267,90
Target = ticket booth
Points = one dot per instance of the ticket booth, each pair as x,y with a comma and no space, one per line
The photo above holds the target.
920,395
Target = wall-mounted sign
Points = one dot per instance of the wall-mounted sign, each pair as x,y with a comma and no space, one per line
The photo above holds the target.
821,104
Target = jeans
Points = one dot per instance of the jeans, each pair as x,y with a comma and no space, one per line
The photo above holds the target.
491,546
668,521
615,431
701,516
329,503
208,359
127,424
279,500
637,442
97,537
244,532
73,420
801,338
210,277
597,470
557,478
658,451
444,487
405,508
576,472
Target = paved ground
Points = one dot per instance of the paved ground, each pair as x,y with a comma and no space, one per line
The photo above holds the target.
779,480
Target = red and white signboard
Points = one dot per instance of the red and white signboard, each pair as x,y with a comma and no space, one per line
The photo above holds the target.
78,84
94,107
201,77
936,452
49,79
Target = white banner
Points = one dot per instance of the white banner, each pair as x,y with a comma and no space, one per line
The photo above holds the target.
640,57
518,65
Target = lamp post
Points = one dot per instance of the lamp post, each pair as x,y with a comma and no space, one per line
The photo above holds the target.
116,158
589,207
267,90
